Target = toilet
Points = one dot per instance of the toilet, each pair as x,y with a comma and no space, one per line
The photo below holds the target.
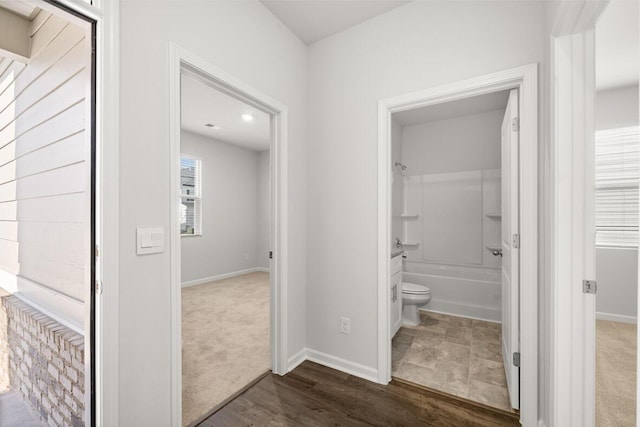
413,296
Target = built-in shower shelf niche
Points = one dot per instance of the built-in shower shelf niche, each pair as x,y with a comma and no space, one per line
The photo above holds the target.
494,215
407,217
410,245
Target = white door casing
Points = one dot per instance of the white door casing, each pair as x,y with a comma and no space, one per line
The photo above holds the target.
510,248
525,79
180,61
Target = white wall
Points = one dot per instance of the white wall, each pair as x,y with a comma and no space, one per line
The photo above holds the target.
397,189
617,269
617,276
247,41
413,47
457,144
264,210
457,159
45,171
617,107
230,210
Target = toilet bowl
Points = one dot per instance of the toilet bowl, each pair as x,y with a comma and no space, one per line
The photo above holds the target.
413,296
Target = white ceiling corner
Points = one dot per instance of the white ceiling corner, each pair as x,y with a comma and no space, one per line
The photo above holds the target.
463,107
313,20
617,45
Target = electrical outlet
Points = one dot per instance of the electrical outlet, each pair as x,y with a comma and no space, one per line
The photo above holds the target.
345,325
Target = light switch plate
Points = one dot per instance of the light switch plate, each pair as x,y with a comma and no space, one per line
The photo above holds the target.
149,240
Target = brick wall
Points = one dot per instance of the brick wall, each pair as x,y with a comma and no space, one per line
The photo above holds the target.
45,362
4,347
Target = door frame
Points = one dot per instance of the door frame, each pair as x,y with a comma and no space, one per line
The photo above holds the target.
571,249
180,59
525,79
103,406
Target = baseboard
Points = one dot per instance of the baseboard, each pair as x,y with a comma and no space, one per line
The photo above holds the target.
616,317
343,365
464,310
460,315
296,359
263,269
219,277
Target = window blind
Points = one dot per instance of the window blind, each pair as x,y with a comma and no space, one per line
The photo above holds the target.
617,169
191,195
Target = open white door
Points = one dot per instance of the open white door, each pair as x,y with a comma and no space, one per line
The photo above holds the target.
510,250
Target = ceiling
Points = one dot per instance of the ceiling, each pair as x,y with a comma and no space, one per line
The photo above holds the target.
202,104
464,107
617,46
20,8
312,20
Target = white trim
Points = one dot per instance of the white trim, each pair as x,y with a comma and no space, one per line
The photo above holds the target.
343,365
219,277
106,14
571,238
180,60
263,269
297,359
466,316
525,79
572,231
616,317
63,309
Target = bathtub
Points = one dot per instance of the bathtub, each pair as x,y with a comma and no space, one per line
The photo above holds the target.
473,292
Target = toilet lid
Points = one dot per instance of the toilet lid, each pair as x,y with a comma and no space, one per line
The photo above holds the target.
414,288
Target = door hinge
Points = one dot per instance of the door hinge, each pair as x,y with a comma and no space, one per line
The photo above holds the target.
98,287
516,359
270,254
515,124
589,286
516,241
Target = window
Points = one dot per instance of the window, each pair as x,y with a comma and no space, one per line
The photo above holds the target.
191,196
616,198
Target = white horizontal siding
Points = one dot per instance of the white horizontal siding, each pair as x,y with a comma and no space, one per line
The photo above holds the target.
9,211
43,36
42,261
68,151
66,122
9,230
40,68
9,258
45,169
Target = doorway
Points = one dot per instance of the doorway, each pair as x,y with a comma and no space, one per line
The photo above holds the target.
225,243
455,212
186,226
520,355
49,153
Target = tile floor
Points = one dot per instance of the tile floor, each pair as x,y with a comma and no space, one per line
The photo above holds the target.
455,355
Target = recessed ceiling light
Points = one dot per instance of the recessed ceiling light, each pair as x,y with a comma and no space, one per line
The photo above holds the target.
212,126
247,117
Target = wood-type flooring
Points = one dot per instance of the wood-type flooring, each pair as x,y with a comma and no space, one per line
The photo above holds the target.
314,395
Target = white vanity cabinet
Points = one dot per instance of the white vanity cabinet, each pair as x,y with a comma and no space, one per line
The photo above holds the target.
395,294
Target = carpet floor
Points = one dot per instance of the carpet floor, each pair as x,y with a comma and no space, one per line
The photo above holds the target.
225,341
615,374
